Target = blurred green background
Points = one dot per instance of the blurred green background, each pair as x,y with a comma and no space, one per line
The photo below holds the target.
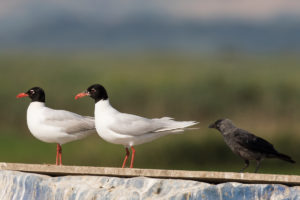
191,60
260,93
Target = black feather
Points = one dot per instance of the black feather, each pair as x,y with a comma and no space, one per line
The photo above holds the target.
254,143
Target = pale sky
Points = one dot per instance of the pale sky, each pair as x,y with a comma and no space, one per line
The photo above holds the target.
195,9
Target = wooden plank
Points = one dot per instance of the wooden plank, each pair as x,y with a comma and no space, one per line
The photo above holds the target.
205,176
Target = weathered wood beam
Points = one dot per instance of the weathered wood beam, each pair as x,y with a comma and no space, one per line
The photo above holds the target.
205,176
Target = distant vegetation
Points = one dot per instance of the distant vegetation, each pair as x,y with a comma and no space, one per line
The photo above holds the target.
259,93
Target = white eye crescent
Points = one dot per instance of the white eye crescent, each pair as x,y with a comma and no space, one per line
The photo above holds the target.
32,91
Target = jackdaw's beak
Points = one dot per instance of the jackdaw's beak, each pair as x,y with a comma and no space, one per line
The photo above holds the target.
212,125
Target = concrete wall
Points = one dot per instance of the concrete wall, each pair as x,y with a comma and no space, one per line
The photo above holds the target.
27,186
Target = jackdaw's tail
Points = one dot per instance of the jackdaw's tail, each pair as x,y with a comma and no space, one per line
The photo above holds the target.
285,158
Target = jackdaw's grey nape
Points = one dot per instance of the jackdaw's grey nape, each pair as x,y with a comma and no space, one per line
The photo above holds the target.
247,145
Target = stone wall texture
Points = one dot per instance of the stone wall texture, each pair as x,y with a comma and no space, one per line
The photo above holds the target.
26,186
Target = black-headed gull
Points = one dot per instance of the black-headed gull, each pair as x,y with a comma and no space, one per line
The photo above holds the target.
126,129
55,126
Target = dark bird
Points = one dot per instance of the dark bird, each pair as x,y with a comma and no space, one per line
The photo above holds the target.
247,145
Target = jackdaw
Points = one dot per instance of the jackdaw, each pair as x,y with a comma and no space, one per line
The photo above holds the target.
246,145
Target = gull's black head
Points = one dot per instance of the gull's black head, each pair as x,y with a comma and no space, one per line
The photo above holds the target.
97,92
36,94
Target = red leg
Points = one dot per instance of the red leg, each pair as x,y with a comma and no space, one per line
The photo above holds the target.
58,155
126,157
132,157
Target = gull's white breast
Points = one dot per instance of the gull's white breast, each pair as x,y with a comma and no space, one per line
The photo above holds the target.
56,126
129,130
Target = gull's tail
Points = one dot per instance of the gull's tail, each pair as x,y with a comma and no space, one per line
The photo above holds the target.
170,125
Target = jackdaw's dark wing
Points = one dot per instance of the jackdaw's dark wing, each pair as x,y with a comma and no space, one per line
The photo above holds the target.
253,143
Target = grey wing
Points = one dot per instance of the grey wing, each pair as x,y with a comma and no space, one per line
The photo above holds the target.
69,122
85,125
252,142
127,124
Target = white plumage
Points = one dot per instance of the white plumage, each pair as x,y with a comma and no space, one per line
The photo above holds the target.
57,126
130,130
54,126
126,129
